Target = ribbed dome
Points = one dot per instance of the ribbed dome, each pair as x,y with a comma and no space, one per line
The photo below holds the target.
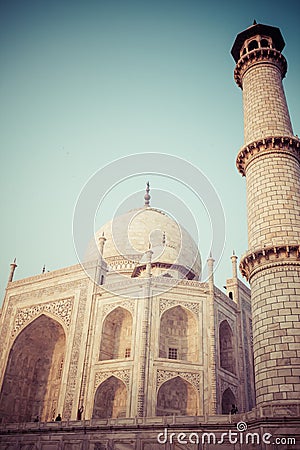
128,238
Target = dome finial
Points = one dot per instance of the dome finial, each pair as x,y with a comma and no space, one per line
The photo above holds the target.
147,196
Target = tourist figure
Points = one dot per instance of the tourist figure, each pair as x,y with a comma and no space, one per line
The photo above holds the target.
234,409
58,418
79,413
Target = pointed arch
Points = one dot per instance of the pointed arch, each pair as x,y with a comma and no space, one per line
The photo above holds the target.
116,335
48,314
227,347
228,399
252,45
178,337
176,396
110,399
33,372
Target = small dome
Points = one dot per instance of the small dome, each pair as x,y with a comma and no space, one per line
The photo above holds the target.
130,235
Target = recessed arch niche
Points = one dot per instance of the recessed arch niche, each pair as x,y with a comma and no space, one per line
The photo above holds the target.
227,347
178,337
228,400
110,399
116,335
176,397
33,373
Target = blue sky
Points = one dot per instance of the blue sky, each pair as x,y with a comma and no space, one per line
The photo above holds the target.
84,83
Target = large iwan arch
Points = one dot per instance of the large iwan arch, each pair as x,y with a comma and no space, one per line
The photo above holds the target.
176,396
178,336
110,399
33,373
116,335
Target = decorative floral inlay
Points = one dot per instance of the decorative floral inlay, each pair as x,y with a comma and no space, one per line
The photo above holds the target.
59,308
222,316
101,376
166,303
165,375
127,304
224,384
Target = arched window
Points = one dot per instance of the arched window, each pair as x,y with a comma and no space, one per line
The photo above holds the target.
110,399
178,397
33,374
252,45
264,43
228,399
116,335
226,345
230,294
178,335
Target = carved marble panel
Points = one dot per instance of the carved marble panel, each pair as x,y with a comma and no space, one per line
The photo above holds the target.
127,304
73,368
60,308
166,303
224,384
222,316
101,376
164,375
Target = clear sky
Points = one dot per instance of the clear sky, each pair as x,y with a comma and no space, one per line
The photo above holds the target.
83,83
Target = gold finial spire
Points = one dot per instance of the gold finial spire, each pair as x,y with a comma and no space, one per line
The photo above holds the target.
147,195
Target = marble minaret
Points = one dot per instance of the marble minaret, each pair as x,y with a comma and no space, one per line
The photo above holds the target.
269,160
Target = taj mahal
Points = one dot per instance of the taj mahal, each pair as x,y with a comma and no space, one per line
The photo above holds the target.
133,341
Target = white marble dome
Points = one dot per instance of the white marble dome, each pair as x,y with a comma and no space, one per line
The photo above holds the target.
130,235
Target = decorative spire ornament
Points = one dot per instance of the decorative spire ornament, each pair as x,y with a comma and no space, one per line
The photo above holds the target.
12,270
102,240
147,195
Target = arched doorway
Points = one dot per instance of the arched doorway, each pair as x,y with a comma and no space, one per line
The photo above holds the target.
228,399
178,335
227,353
33,373
110,399
178,397
116,335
